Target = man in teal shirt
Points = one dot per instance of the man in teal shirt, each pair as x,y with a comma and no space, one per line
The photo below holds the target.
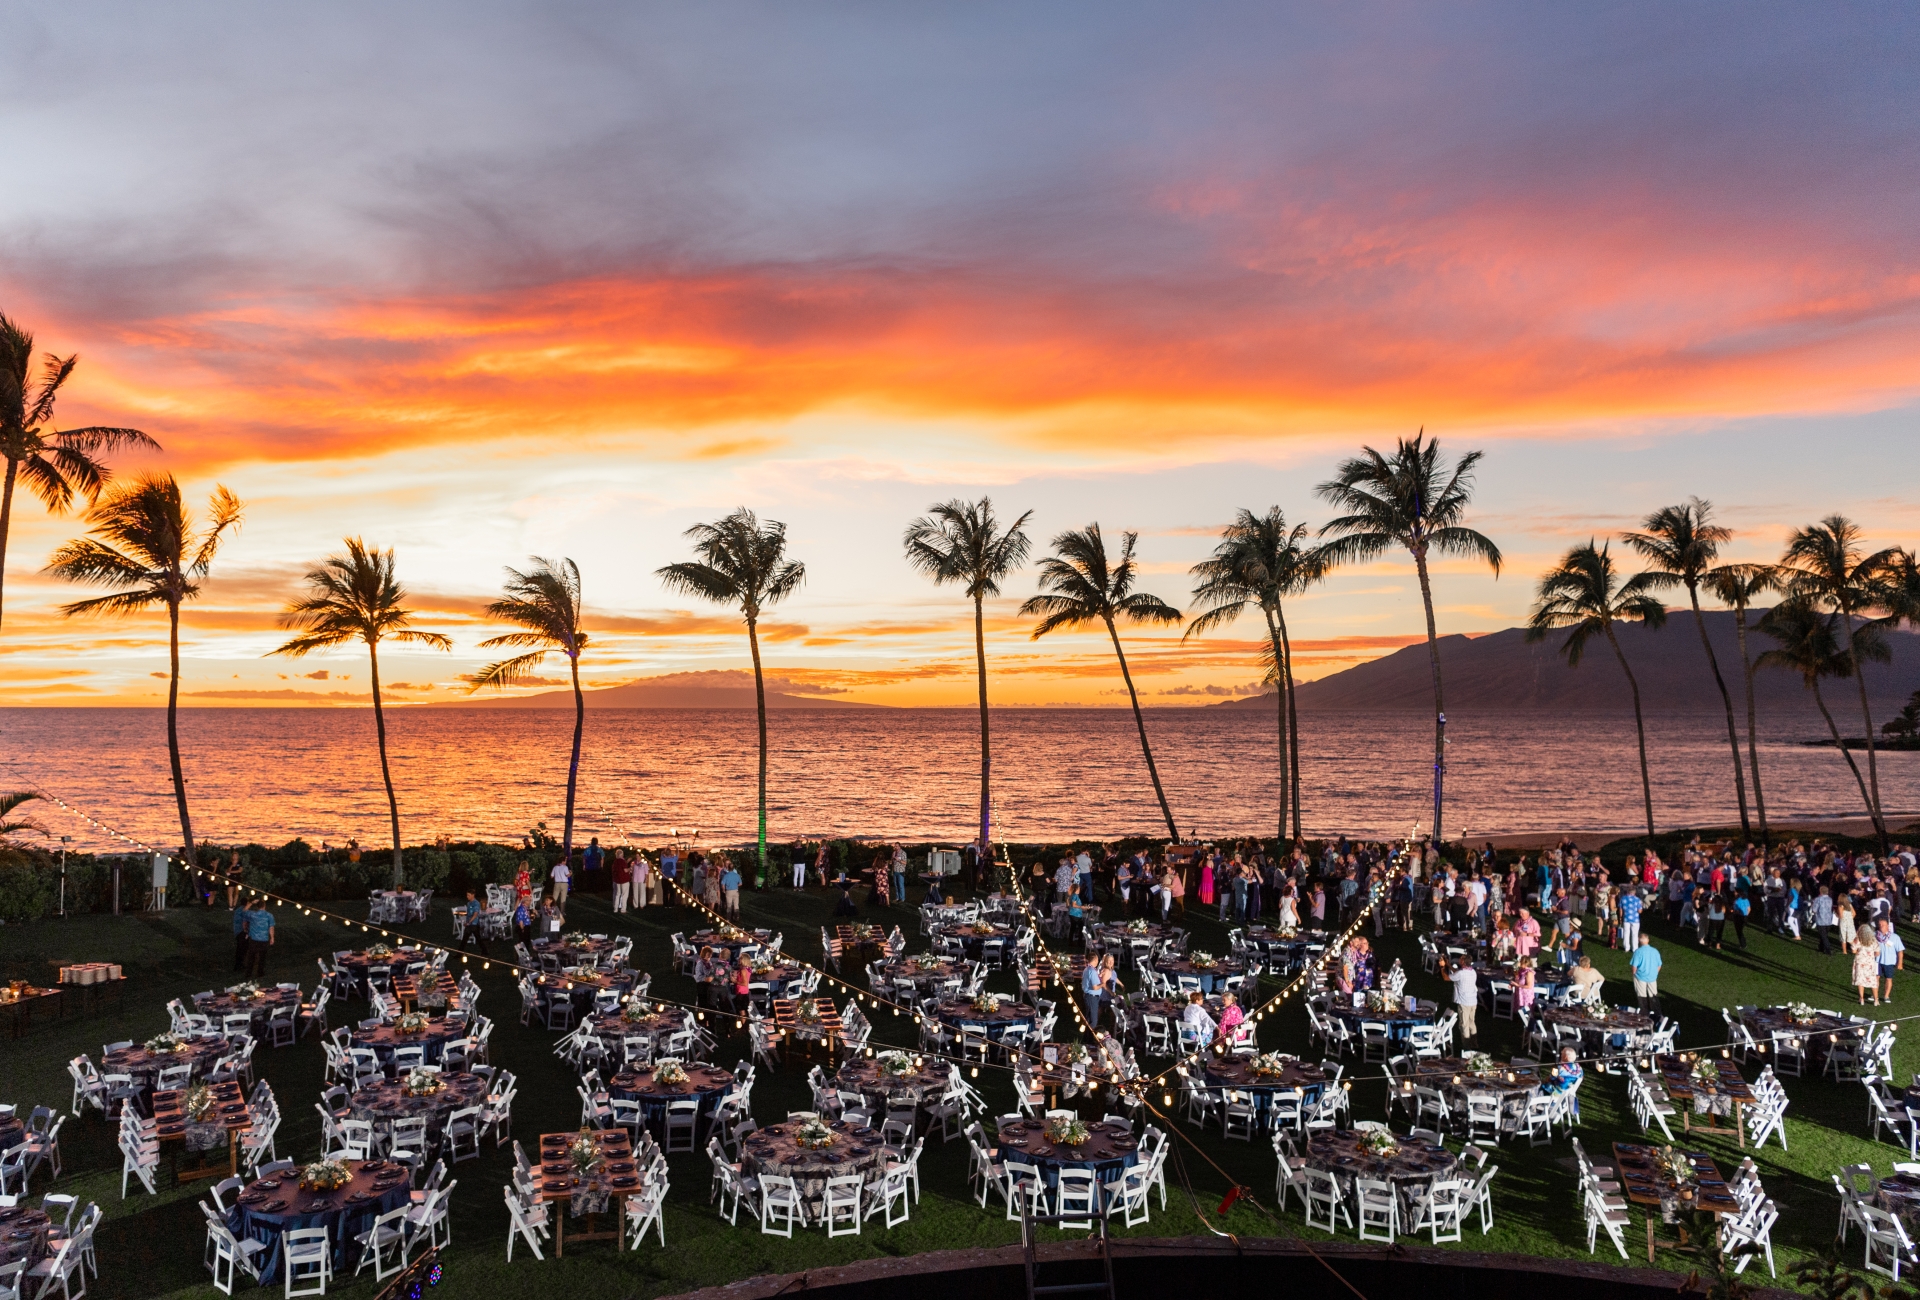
1646,975
259,939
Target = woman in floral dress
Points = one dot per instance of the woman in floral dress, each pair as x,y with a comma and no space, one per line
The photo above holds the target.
1866,965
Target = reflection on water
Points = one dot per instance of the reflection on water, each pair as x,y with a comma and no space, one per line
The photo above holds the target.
267,775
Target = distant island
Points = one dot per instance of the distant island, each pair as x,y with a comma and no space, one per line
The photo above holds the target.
1501,673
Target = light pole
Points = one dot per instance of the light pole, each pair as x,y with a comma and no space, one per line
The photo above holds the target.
64,841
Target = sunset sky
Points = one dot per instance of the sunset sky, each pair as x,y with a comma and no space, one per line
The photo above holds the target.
481,282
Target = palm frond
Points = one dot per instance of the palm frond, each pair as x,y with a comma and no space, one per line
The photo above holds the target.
1140,607
508,672
1465,541
689,578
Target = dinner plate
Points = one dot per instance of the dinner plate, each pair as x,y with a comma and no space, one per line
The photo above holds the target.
627,1180
554,1185
360,1198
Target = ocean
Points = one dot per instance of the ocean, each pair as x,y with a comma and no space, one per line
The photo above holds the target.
268,775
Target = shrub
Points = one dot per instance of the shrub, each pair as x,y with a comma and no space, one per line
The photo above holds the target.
28,882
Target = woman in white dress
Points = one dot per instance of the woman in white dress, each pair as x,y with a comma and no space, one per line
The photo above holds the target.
1289,909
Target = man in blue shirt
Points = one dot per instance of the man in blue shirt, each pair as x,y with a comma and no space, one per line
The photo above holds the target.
670,868
730,886
1893,955
1630,919
592,860
473,923
259,938
1646,975
1091,986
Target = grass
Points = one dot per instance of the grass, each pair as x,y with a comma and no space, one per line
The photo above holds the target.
151,1246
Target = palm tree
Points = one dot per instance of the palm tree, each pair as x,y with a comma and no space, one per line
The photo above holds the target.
1582,593
355,597
1680,544
742,562
1738,585
143,541
1823,562
1809,647
1261,561
961,541
55,464
545,600
1079,585
1414,501
10,825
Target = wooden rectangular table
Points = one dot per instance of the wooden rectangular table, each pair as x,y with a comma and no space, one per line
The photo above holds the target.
1642,1180
827,1029
22,1003
613,1144
167,1106
1676,1076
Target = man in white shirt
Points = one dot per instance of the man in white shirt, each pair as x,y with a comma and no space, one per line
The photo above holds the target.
561,878
1466,998
1198,1022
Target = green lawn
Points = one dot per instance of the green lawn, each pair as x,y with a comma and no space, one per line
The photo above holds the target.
152,1245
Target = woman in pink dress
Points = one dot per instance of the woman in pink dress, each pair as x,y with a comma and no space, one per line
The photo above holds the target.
1206,881
1526,934
1523,985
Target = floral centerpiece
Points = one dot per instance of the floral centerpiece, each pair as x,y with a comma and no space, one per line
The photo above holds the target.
807,1011
583,1153
1801,1014
433,991
584,972
986,1003
1706,1073
635,1010
814,1134
763,965
1067,1132
246,989
165,1043
866,933
578,941
669,1071
379,952
325,1176
1138,926
1379,1143
413,1022
1676,1168
422,1083
1200,959
1076,1054
199,1102
1481,1065
896,1065
1382,1001
981,928
1268,1065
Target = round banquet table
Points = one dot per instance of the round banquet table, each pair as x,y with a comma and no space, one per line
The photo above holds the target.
708,1083
1399,1024
1107,1150
925,1085
354,966
221,1005
145,1066
575,950
23,1235
1548,979
388,1100
958,1013
1597,1033
1284,954
580,988
972,942
925,972
1117,938
731,944
773,1151
279,1204
1900,1197
1411,1169
1212,979
777,978
1236,1072
614,1028
434,1038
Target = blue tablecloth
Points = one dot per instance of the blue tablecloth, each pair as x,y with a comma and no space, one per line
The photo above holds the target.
709,1083
1107,1151
1399,1024
343,1213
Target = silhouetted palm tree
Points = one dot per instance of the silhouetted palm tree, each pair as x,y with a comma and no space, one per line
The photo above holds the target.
1680,544
1809,647
1582,593
1261,561
355,597
743,563
545,600
1414,501
143,541
54,463
1737,586
1079,584
10,825
961,541
1824,563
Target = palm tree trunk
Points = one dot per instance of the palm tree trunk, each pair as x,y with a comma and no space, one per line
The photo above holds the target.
1733,733
573,765
1280,714
1639,726
173,731
1866,716
760,702
1172,831
1753,748
386,773
1293,711
1439,705
6,521
1834,731
986,746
